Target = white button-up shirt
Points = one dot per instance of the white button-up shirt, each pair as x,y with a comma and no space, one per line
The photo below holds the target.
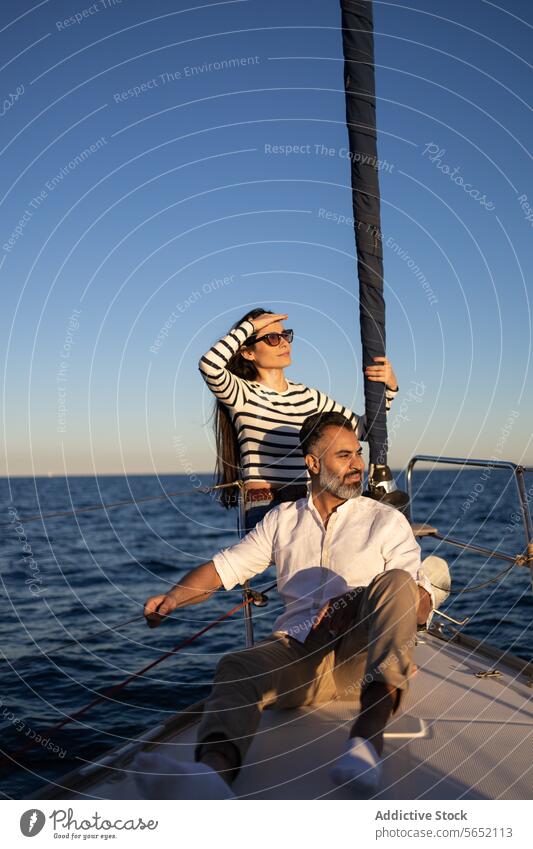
315,563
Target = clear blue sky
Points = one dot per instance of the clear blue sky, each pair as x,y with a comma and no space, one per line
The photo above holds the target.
135,174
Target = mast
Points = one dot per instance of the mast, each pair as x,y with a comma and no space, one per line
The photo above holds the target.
359,81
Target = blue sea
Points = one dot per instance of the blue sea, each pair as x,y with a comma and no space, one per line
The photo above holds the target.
72,578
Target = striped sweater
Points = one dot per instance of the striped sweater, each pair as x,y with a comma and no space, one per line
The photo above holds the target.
267,422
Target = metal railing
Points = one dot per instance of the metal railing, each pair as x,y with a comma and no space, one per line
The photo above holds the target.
524,558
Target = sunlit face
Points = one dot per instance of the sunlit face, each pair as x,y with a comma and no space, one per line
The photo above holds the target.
338,462
264,355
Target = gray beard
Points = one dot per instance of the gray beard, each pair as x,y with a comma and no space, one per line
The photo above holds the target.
331,483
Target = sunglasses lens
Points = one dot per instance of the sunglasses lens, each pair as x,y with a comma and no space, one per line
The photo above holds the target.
275,338
272,339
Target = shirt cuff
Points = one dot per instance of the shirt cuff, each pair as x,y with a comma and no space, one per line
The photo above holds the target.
226,573
391,393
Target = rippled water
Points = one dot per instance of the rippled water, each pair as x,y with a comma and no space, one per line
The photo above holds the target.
66,578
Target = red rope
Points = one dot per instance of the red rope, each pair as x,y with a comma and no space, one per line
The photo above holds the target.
115,689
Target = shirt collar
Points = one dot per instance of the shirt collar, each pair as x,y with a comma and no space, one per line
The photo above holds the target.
341,507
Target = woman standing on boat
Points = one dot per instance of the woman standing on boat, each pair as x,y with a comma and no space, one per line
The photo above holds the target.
259,411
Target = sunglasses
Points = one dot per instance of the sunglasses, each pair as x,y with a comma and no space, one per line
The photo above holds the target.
272,339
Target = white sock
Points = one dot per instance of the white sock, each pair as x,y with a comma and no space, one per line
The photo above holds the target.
359,767
159,777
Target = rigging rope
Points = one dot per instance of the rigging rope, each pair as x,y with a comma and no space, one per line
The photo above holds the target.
9,757
252,597
477,586
203,490
77,641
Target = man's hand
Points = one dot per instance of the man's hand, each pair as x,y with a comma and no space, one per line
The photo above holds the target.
383,372
200,583
157,607
340,612
424,606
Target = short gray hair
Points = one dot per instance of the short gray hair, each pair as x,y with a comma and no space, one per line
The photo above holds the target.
315,425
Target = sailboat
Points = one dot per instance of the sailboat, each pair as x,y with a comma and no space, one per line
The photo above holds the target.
468,712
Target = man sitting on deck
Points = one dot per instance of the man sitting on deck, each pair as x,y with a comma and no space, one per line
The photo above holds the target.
347,572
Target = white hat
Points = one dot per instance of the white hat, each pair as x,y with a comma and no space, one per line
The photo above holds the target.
436,570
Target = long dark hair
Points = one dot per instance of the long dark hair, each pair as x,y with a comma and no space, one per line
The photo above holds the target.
228,463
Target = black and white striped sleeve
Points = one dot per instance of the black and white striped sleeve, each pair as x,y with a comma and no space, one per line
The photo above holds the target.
325,404
225,386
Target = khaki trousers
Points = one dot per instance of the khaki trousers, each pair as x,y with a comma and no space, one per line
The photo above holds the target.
281,671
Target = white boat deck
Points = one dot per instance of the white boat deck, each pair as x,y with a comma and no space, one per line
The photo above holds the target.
459,737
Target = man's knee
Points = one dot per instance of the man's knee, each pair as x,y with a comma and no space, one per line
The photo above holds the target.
399,583
232,666
243,665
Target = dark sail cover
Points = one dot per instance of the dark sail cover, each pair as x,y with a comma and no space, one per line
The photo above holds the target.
358,46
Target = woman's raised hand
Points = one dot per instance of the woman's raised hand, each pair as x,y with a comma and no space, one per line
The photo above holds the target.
383,372
266,319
